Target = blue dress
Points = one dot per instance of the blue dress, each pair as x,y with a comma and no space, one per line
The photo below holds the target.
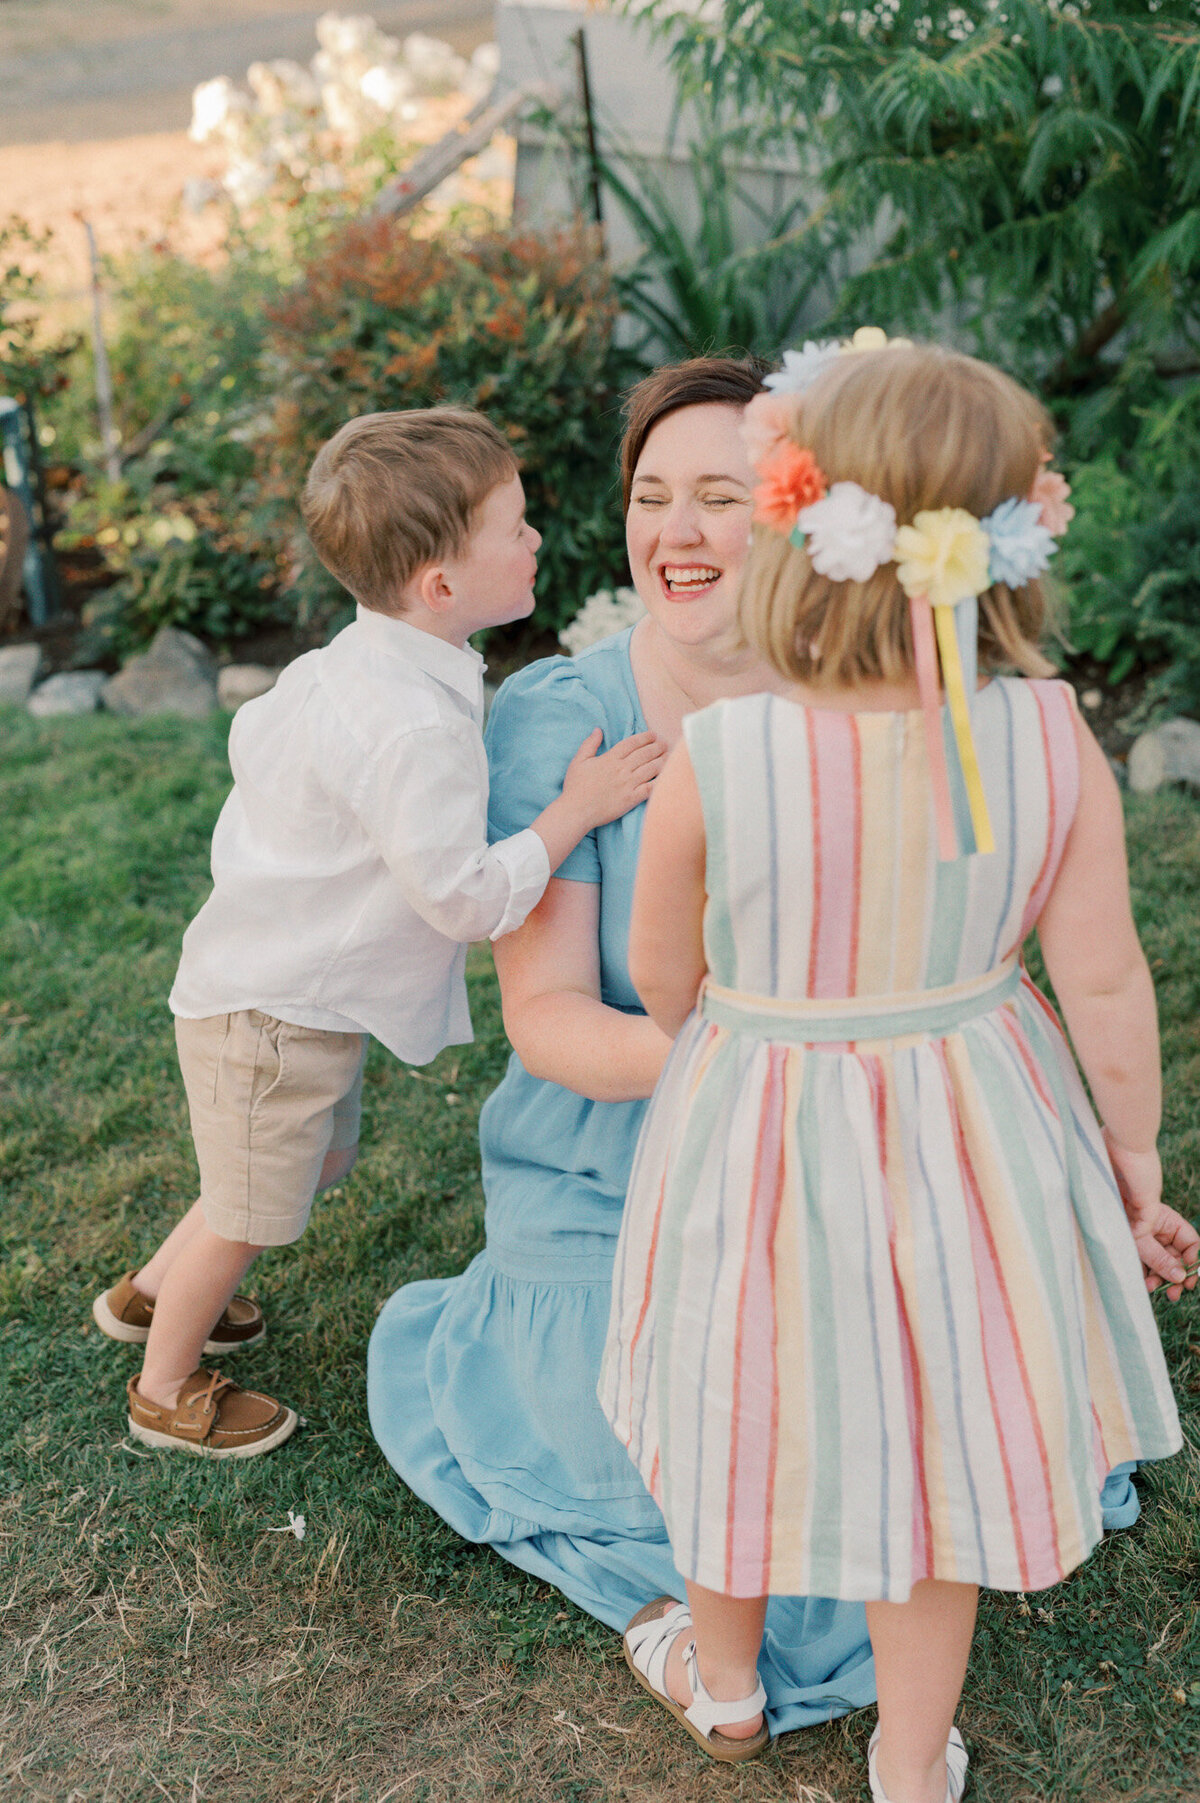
482,1387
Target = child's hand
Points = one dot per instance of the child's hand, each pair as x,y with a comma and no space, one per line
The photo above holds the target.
603,788
1167,1244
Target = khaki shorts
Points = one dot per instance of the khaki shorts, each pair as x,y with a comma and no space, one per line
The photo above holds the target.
267,1101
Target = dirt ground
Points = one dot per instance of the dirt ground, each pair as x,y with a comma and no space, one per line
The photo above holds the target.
97,102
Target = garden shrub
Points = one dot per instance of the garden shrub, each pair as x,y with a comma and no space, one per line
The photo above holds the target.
521,326
1131,560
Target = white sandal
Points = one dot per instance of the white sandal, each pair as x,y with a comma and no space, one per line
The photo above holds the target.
956,1768
648,1639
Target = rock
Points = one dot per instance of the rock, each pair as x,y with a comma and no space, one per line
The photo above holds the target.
177,675
238,683
70,692
1147,764
19,665
1168,754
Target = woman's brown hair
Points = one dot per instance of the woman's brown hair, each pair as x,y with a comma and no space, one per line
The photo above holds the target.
923,428
700,382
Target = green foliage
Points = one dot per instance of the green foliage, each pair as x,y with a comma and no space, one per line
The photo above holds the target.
517,325
697,287
1131,560
1030,168
218,590
31,365
184,343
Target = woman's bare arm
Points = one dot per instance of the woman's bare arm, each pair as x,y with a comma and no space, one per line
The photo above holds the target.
549,972
666,935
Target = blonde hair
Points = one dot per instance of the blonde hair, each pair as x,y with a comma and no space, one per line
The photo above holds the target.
920,427
392,492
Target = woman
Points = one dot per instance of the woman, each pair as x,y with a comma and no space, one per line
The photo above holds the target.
482,1388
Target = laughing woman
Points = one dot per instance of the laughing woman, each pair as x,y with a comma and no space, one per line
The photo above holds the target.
482,1387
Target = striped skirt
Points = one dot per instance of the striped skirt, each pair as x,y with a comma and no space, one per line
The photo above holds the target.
877,1314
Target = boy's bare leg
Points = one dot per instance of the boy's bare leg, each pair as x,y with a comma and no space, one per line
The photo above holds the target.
337,1165
729,1632
149,1279
192,1296
921,1649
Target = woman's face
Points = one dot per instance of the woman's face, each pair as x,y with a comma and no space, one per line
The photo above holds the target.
688,526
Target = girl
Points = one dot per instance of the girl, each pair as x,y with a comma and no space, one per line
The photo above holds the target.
878,1327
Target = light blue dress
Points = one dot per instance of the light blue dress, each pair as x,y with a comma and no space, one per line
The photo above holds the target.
482,1387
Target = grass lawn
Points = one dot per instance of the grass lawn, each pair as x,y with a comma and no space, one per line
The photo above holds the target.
160,1637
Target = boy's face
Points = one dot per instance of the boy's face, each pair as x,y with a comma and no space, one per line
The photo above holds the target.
492,582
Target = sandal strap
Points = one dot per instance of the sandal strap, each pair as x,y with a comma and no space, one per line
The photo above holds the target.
704,1712
957,1760
650,1642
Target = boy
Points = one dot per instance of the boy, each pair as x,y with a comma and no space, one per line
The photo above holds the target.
350,868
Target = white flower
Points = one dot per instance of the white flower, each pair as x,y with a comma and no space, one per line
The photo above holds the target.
433,65
849,533
296,1524
387,88
214,106
602,614
283,86
801,368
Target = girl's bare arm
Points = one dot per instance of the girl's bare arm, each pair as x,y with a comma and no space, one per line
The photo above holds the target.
1103,983
1097,965
666,937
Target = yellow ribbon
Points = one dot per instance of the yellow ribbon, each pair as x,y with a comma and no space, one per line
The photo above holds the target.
960,719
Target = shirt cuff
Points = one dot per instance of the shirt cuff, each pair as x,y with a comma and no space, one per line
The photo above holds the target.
527,863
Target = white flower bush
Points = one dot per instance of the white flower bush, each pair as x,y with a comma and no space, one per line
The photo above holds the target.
609,610
302,122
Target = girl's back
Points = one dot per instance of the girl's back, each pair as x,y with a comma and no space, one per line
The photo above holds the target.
822,870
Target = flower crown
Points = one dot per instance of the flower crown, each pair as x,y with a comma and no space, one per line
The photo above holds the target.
945,554
944,560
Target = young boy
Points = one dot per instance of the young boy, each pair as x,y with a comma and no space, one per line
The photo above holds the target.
350,869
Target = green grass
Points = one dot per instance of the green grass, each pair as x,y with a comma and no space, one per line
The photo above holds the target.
159,1639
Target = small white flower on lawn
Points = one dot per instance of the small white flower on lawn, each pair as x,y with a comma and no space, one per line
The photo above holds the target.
296,1524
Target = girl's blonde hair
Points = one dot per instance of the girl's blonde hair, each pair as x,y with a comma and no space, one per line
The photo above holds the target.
920,427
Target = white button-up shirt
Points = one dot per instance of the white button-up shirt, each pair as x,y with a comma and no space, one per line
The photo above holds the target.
350,863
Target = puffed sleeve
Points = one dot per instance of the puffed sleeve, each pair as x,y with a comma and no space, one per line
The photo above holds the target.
538,721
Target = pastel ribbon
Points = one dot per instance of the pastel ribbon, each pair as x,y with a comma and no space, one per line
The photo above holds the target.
934,630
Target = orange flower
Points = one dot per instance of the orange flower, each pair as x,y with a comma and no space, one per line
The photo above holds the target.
789,480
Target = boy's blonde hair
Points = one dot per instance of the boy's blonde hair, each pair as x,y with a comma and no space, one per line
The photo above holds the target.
392,492
920,427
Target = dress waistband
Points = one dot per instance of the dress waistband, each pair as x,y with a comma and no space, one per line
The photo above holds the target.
841,1020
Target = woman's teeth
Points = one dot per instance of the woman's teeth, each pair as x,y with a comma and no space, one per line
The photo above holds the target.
681,581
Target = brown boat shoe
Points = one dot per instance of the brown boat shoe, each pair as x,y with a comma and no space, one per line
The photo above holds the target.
212,1416
123,1313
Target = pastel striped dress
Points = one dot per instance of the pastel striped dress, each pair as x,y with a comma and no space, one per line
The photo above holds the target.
877,1314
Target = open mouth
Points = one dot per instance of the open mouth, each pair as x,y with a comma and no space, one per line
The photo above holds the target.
683,582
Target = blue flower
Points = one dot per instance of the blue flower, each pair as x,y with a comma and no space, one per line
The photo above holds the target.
1021,547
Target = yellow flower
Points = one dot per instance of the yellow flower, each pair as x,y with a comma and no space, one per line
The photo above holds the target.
874,338
944,556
